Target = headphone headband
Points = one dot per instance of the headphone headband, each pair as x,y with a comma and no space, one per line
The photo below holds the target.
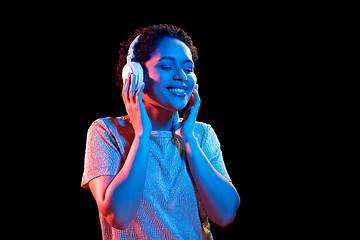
130,54
133,67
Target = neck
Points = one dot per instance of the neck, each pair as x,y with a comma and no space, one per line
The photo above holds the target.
161,119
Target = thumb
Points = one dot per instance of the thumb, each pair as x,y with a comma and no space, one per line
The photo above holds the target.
176,123
175,118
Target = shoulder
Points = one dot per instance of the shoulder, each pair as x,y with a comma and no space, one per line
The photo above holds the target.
118,128
202,131
111,124
201,127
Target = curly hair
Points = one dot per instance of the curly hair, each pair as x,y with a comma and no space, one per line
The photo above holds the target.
148,41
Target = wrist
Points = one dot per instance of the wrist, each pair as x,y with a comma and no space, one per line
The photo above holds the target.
143,135
191,147
190,140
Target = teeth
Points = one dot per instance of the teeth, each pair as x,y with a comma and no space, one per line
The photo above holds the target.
179,90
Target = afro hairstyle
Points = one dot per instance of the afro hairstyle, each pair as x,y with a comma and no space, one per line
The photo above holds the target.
148,41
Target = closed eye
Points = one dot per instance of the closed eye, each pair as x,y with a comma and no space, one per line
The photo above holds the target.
166,68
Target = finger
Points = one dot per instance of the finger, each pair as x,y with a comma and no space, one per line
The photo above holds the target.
176,124
131,88
175,118
139,92
192,99
186,114
126,88
197,99
133,85
176,127
196,105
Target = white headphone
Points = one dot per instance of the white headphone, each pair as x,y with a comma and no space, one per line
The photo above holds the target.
133,67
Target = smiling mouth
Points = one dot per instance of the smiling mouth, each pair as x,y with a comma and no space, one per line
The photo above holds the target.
180,92
177,90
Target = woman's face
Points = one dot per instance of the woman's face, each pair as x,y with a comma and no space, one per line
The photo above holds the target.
169,75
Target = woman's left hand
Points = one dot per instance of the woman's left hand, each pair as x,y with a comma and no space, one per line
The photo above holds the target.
185,130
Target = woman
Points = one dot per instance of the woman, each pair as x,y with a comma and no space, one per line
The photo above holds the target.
155,175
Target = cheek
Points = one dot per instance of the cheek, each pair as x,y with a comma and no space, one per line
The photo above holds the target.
156,78
151,73
192,80
154,83
152,79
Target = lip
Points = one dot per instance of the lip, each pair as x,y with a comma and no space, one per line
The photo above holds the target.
178,94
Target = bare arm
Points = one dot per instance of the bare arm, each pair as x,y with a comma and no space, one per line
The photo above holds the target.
118,197
219,197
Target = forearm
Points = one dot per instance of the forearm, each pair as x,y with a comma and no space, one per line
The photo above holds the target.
219,197
123,195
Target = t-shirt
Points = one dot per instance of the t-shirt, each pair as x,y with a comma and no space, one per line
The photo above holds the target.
170,207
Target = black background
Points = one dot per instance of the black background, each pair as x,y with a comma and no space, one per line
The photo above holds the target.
243,74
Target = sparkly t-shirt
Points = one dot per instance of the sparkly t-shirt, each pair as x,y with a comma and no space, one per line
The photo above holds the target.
170,207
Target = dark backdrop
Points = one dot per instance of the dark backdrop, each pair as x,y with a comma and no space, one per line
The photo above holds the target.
240,73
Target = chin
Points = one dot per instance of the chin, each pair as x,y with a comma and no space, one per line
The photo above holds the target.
177,107
167,102
175,104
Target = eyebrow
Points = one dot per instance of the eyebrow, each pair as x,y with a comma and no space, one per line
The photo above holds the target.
173,59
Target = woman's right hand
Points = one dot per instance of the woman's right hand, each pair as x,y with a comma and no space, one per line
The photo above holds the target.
135,107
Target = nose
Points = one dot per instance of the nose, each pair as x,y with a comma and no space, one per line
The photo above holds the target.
180,75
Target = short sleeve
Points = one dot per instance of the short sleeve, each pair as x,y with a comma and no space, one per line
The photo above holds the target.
102,156
212,150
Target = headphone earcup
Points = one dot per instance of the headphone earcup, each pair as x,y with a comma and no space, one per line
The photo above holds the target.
136,69
139,75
